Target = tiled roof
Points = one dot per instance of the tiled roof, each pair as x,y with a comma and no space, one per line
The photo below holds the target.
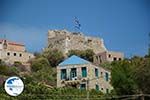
73,60
12,43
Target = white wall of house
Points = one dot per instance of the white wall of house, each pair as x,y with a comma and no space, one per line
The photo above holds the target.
93,80
1,46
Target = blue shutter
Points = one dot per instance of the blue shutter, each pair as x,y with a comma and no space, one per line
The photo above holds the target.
84,72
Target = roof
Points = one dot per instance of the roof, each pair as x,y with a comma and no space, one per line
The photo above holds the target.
11,43
73,60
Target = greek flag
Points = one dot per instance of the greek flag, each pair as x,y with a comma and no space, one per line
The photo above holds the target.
77,23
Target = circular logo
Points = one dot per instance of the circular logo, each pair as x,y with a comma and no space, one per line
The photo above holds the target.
14,86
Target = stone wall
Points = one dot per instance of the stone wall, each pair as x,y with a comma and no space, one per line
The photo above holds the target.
65,41
13,56
107,56
11,52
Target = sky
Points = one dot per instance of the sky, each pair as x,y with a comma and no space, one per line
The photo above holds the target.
123,24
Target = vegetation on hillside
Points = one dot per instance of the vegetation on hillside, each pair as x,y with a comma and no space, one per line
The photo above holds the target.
85,54
129,76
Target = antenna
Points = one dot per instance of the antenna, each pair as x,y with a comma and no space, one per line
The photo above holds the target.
77,24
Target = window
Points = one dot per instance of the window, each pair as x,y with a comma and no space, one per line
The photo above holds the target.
97,87
89,40
96,72
15,54
96,57
107,90
106,76
100,59
73,73
82,86
109,55
63,74
8,53
101,73
115,58
20,55
84,72
119,58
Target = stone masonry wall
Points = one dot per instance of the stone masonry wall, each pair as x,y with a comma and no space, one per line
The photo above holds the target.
65,41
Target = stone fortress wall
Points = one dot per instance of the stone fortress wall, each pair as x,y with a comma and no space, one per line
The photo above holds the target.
65,41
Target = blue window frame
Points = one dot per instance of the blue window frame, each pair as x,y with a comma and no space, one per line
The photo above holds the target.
84,72
96,72
63,74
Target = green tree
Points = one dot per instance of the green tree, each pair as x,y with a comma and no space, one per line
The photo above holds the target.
54,56
20,66
39,63
142,75
106,65
122,78
46,76
85,54
8,70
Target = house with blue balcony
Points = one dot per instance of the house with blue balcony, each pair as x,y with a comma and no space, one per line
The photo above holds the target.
82,74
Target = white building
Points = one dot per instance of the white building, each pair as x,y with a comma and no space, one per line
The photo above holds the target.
79,73
11,52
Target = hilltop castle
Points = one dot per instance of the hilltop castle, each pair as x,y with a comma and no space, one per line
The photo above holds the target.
64,41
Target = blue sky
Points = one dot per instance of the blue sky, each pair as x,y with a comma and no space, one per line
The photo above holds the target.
123,24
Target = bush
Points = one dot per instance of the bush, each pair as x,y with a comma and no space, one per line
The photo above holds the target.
54,56
8,70
39,63
85,54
